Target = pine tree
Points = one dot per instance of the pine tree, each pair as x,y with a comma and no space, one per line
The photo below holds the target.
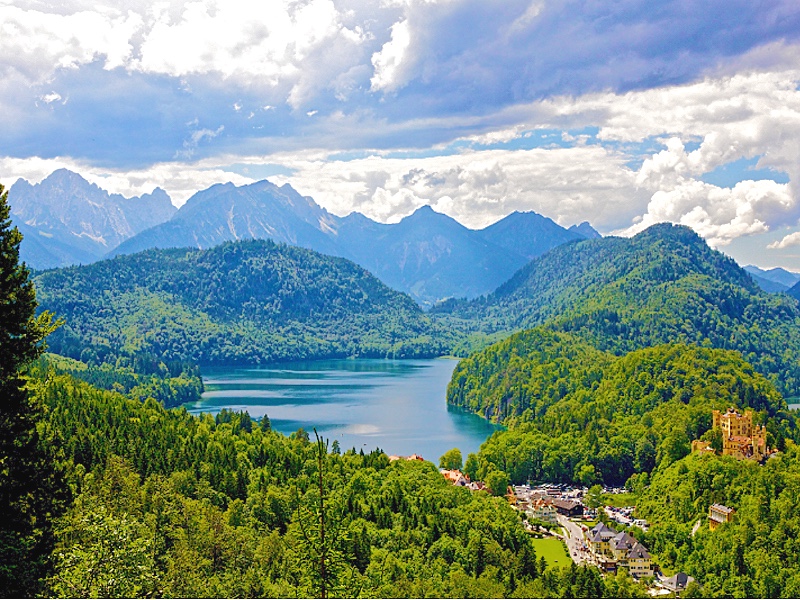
30,486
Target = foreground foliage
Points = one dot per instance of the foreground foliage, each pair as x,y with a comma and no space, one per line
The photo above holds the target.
31,490
169,504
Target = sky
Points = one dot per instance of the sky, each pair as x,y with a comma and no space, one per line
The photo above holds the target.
621,113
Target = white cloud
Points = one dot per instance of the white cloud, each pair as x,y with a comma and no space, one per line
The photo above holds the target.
476,188
51,97
194,140
718,214
389,61
793,239
35,43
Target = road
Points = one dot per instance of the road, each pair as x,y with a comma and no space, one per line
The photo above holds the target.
574,539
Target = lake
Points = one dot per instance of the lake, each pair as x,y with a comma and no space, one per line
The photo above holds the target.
395,405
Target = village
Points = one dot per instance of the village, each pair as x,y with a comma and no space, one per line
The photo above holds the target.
603,535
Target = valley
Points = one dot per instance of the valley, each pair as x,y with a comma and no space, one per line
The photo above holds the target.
190,381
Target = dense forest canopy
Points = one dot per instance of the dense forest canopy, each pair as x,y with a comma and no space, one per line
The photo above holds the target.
664,285
242,302
169,504
579,414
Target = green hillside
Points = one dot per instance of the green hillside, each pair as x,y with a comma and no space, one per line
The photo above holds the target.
170,505
579,414
243,302
664,285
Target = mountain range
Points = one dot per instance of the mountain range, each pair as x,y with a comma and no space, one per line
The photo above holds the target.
773,280
66,220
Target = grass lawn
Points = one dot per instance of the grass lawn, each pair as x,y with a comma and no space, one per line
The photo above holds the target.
620,500
553,551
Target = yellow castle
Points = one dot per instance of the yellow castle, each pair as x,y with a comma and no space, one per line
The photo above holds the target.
740,438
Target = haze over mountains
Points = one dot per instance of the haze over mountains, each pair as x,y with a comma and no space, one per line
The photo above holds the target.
66,220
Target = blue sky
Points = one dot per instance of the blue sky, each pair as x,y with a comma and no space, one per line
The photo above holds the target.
621,113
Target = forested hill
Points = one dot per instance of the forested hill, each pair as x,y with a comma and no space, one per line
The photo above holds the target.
661,286
242,302
579,414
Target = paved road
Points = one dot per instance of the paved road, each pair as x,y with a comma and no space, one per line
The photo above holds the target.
574,540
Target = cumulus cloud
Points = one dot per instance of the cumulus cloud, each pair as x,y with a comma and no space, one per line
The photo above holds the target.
718,214
389,61
476,188
793,239
36,43
455,87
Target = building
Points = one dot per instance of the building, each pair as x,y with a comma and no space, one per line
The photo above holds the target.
599,538
394,457
541,510
568,508
677,583
455,477
718,514
740,438
638,562
702,447
612,550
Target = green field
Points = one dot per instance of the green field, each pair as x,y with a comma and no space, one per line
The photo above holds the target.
620,500
553,551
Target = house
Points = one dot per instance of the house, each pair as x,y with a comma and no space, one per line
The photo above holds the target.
455,477
542,510
599,538
718,514
568,508
638,562
677,583
612,550
620,545
476,486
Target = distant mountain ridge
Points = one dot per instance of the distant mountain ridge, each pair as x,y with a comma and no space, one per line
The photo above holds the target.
67,220
773,280
427,254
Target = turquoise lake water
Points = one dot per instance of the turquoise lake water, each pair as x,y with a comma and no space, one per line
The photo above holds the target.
395,405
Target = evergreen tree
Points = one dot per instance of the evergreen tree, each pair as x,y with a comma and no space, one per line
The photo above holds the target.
29,485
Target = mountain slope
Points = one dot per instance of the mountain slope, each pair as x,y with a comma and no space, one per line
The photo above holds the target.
528,234
224,213
243,302
578,414
664,285
427,254
67,220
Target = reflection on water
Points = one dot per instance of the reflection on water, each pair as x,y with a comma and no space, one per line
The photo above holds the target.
396,405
